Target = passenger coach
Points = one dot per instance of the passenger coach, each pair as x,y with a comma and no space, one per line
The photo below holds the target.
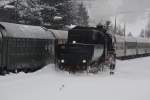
131,47
24,47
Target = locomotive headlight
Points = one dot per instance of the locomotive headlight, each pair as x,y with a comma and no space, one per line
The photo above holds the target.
74,42
84,61
62,61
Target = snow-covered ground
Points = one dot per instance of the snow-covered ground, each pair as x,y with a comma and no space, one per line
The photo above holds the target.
130,82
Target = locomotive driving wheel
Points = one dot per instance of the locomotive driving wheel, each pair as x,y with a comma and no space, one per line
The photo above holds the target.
3,71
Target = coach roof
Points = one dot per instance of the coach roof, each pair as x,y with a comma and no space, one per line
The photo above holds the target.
25,31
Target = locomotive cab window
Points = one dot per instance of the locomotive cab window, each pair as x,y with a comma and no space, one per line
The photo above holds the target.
84,36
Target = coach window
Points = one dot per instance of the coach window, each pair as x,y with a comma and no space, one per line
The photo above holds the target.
16,48
13,45
20,45
40,43
15,42
29,47
29,43
41,47
46,45
23,45
17,45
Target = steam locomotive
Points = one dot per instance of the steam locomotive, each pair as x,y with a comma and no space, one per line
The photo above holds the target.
87,48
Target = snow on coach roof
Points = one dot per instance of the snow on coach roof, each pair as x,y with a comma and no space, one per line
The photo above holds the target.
25,31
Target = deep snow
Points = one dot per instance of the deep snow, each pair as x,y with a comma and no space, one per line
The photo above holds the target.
130,82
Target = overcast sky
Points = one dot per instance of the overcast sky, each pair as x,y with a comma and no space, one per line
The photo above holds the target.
132,12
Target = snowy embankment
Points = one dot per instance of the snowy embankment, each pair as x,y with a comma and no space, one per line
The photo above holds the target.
130,82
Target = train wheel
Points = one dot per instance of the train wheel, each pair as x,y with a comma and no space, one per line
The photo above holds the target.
3,72
25,70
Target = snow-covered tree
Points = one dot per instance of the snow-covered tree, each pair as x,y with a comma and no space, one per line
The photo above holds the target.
45,12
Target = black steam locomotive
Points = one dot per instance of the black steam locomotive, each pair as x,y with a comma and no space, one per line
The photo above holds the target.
87,48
